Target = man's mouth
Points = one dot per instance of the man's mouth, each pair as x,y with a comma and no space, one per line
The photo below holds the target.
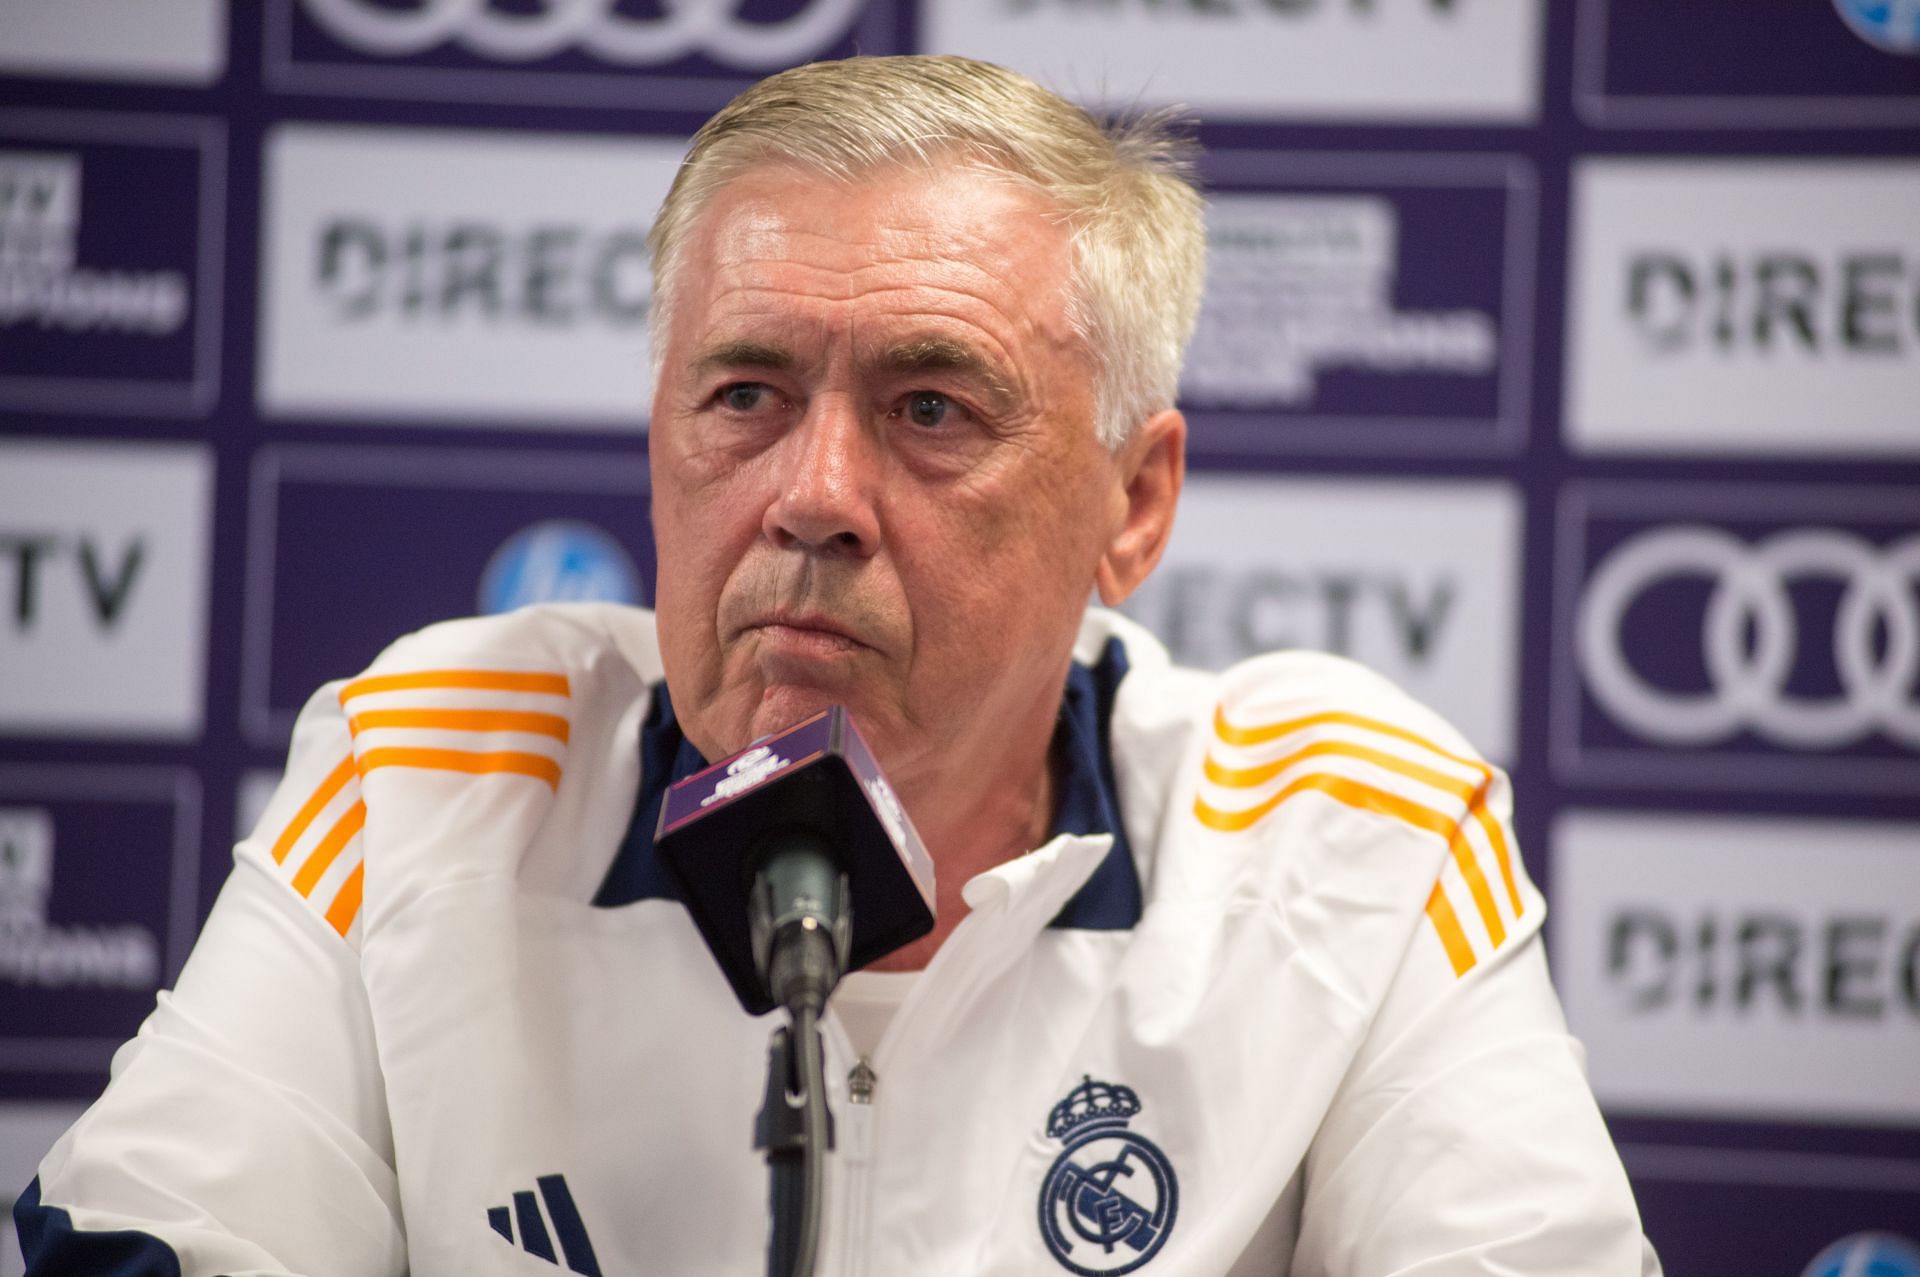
805,632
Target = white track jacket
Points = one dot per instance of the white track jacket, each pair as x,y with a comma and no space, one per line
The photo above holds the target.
1272,1001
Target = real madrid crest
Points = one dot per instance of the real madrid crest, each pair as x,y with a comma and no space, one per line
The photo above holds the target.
1109,1199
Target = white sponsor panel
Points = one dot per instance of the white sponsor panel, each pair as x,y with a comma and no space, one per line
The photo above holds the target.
1741,966
1436,61
1745,306
458,277
1418,579
172,41
692,54
599,28
103,567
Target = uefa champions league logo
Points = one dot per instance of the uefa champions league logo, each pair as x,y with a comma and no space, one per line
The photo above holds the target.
1109,1200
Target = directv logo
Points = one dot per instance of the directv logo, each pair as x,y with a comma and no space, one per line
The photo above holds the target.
1893,25
560,561
1867,1255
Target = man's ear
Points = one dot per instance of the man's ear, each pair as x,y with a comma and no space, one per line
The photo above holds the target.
1152,466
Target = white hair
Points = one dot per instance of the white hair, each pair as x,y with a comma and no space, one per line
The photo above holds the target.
1124,190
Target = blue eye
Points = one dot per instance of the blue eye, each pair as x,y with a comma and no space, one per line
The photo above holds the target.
927,408
744,396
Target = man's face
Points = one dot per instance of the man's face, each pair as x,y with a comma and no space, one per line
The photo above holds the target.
876,478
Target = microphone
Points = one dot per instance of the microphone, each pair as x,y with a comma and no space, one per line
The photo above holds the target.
797,862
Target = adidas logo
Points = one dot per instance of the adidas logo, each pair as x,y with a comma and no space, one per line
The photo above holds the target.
535,1237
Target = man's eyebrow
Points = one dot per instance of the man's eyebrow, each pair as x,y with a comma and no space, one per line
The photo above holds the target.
744,354
938,354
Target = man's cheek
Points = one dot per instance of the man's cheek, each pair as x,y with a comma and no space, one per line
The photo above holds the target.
975,599
993,526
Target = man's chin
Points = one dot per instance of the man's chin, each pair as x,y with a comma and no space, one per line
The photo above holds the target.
784,704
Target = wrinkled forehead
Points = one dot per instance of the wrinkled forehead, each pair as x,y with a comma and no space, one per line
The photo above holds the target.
902,239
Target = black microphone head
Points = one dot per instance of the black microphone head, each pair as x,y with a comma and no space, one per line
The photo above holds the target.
816,778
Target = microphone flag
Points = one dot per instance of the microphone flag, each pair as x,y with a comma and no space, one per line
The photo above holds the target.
817,778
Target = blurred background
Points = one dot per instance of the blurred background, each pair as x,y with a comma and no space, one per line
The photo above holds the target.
1560,359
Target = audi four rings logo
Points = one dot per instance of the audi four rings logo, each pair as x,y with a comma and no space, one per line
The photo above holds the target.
490,30
1751,637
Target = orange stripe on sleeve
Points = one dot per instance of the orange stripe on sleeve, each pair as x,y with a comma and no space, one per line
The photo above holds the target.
1471,796
538,766
1497,839
346,902
476,680
332,785
1366,798
1351,792
462,720
1267,733
349,824
1253,777
1452,938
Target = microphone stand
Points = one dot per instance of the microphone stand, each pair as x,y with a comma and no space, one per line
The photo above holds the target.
796,1131
792,818
801,918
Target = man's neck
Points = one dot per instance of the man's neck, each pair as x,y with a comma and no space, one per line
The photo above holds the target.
970,829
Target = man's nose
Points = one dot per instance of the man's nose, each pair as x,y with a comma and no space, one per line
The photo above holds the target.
827,475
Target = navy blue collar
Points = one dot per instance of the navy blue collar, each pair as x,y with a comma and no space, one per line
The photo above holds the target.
1089,802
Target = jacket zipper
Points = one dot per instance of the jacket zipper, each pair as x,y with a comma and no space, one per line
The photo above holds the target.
857,1147
858,1127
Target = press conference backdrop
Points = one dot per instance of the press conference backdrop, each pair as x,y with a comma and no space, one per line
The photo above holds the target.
1561,359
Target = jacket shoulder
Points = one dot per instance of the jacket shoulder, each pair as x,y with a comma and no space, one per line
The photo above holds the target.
1290,732
1299,771
501,747
1324,760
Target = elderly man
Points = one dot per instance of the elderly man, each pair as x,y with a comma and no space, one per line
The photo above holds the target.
1236,974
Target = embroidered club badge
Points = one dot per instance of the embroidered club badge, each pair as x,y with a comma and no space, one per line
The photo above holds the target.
1108,1201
